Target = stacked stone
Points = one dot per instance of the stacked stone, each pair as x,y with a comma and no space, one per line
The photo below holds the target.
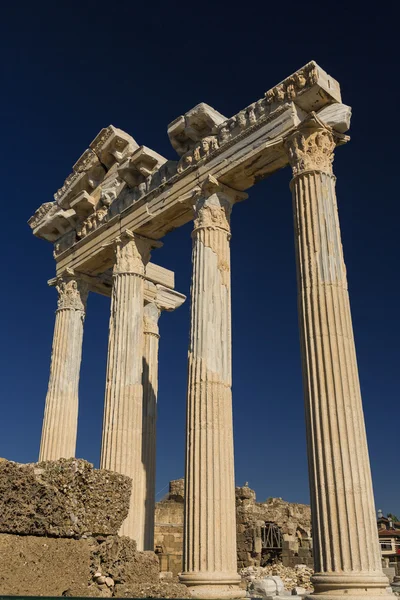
58,534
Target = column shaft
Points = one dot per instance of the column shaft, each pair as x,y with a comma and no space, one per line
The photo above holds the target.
61,410
122,426
210,564
150,387
346,549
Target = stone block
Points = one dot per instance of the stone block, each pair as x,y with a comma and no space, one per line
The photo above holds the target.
264,587
63,498
299,591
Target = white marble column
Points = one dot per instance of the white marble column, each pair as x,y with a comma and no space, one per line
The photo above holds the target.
61,410
122,426
150,387
209,562
346,551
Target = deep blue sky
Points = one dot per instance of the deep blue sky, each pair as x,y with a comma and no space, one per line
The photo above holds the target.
70,69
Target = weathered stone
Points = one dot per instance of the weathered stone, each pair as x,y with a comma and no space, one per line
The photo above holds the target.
210,570
265,587
347,554
91,567
60,423
299,591
117,557
63,498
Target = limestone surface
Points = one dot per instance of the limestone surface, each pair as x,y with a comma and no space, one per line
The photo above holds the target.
102,566
63,498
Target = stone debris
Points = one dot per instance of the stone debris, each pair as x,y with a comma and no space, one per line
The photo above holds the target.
299,591
275,579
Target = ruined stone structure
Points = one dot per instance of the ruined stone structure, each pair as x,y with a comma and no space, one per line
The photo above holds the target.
59,523
292,520
113,209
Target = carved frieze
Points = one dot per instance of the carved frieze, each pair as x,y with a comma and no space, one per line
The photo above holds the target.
199,122
94,195
310,81
201,150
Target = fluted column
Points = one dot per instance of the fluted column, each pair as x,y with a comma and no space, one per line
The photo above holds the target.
346,551
209,561
150,387
61,410
122,426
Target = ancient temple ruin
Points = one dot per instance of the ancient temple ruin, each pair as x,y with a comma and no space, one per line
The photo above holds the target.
120,200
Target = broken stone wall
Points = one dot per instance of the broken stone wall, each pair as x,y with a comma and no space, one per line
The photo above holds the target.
168,533
294,521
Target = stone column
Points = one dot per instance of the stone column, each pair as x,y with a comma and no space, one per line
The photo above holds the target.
61,411
346,551
122,426
150,387
209,561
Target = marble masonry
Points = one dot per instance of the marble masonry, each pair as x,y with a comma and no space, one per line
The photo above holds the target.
107,220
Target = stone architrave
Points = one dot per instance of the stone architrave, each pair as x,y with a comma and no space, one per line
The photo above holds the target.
61,410
346,550
209,563
150,388
122,426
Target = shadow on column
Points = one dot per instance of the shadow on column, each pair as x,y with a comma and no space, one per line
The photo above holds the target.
149,417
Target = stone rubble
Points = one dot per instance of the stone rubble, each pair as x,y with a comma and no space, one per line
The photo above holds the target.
268,579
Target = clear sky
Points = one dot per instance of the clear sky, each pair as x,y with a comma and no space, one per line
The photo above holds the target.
69,69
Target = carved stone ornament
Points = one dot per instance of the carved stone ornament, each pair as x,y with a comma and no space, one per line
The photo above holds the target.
132,253
151,314
41,213
72,292
212,213
311,147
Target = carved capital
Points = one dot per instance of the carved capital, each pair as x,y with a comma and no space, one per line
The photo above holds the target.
212,213
151,314
311,147
72,291
213,207
132,253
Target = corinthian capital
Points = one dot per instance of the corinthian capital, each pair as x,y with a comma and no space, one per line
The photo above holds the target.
132,253
72,291
213,207
311,147
151,314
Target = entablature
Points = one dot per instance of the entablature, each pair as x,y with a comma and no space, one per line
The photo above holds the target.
150,195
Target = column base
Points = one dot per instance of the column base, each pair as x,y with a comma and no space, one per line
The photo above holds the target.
213,585
360,586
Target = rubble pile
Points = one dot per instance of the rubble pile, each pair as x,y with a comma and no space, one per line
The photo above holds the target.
292,577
